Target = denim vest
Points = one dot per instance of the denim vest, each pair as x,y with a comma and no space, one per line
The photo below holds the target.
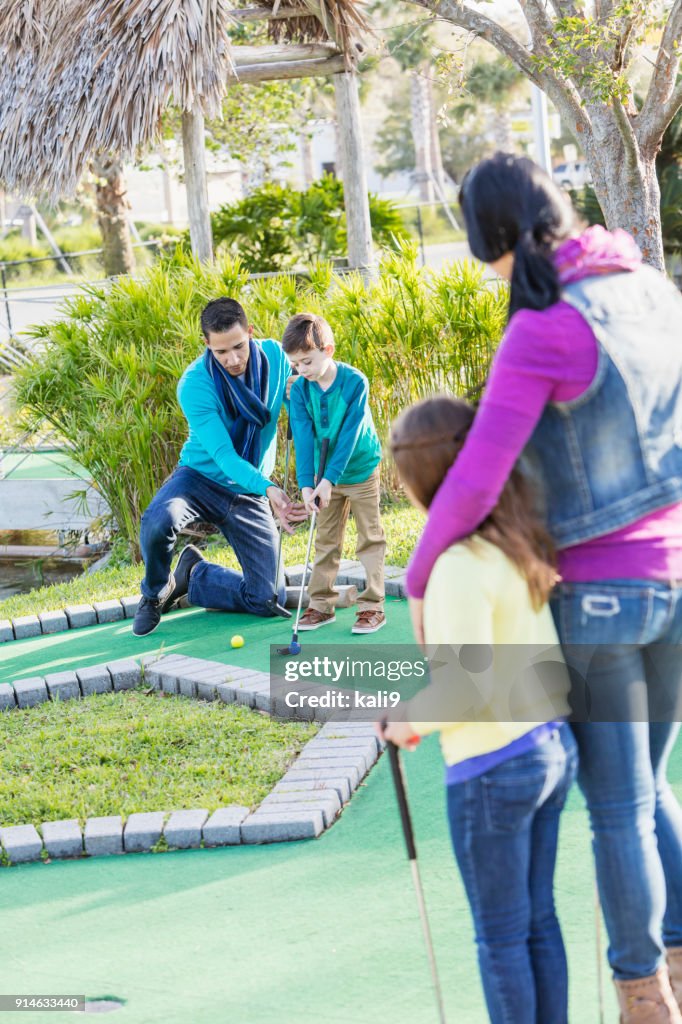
614,454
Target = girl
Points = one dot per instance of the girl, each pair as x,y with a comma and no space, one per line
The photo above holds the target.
506,780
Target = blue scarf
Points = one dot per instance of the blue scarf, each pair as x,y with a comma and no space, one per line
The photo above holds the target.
244,401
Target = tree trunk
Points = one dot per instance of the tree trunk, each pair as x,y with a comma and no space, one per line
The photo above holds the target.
305,143
421,135
502,131
436,153
627,188
112,215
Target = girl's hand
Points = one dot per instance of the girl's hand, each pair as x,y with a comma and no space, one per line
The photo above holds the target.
400,733
416,605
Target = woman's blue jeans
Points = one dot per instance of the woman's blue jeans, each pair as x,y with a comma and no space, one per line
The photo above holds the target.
504,826
622,641
246,522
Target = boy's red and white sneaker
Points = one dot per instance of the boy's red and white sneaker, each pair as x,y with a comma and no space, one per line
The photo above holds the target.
369,621
312,619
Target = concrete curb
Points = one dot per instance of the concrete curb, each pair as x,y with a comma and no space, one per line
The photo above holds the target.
119,609
305,802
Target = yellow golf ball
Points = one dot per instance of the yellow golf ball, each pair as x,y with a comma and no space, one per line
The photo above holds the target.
237,641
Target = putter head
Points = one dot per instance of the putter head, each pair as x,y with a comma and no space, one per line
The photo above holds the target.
277,609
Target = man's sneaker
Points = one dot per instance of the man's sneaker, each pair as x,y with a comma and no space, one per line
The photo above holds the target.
190,557
147,617
369,621
313,619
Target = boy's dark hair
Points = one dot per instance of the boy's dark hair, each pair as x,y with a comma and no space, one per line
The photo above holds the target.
510,204
306,331
425,441
222,314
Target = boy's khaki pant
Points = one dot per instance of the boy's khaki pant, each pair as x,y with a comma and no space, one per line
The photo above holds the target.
363,500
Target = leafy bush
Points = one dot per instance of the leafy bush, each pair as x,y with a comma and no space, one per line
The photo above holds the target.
108,369
277,227
15,247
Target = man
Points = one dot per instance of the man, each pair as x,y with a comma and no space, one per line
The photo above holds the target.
231,397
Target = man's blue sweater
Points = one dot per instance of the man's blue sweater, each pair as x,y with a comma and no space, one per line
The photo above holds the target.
209,449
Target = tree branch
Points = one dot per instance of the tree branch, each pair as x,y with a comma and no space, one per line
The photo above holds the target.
664,98
561,91
539,22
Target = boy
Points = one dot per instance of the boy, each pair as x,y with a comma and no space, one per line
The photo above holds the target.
231,397
330,399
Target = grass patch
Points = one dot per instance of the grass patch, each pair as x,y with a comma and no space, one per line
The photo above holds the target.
402,525
138,751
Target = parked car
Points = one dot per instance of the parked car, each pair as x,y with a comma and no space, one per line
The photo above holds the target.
574,174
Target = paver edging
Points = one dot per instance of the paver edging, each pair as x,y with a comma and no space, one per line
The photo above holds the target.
304,803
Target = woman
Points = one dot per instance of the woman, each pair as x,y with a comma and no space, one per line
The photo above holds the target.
588,381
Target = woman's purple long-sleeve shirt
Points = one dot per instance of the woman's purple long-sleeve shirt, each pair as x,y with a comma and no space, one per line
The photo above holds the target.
545,356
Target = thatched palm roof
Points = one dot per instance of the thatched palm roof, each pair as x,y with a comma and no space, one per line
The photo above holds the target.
79,77
338,20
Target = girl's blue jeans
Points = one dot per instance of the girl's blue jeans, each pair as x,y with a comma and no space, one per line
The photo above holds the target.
246,522
623,638
504,826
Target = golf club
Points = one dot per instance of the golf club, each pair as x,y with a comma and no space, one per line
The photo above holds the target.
408,832
294,647
273,603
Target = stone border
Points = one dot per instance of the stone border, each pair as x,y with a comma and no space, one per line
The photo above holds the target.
77,616
304,803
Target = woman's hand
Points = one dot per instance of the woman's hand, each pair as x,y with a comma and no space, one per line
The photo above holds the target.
416,605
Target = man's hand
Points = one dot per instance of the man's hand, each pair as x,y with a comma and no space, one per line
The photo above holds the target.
297,513
280,503
322,492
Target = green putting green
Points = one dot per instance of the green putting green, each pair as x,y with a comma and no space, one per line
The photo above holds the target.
194,632
322,932
49,464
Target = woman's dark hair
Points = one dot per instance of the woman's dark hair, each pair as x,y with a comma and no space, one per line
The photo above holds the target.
511,205
425,441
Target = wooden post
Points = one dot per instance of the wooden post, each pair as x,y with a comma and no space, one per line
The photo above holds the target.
354,177
195,183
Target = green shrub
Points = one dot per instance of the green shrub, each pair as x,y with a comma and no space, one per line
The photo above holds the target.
108,369
277,227
15,247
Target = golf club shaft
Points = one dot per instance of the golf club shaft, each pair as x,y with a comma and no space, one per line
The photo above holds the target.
324,451
286,491
408,833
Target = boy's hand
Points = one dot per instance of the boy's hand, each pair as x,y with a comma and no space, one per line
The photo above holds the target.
323,494
290,383
307,495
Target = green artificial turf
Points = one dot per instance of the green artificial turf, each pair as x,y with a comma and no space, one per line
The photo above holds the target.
138,750
193,632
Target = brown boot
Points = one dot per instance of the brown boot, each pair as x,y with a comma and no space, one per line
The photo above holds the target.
648,1000
674,958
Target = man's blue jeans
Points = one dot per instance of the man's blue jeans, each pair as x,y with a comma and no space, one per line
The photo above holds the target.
624,638
504,826
246,522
